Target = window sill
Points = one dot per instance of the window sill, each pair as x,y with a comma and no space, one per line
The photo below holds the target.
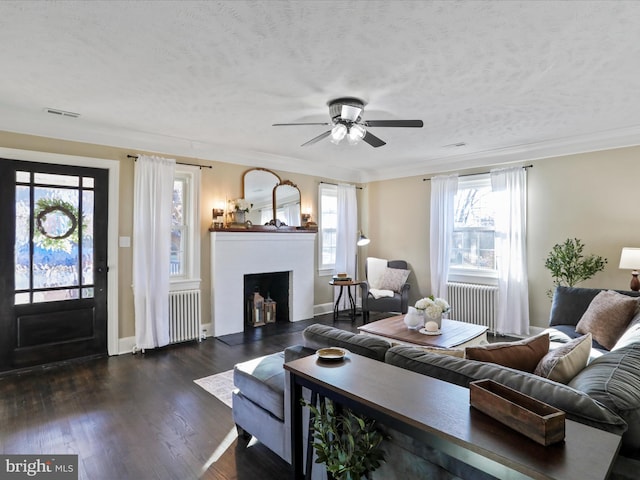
475,277
184,284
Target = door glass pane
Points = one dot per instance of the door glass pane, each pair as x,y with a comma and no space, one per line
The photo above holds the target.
53,179
22,256
87,237
22,298
55,253
55,295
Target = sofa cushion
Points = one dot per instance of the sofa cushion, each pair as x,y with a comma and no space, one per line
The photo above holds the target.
566,333
569,304
577,405
563,363
321,336
607,317
522,355
262,381
614,380
630,335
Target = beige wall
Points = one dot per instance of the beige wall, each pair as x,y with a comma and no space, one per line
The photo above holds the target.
223,181
588,196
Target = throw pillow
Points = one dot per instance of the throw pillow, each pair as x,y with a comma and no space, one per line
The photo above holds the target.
393,279
375,270
565,362
607,317
453,352
523,355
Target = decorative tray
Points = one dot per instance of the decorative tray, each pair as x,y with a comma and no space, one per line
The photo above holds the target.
537,420
331,353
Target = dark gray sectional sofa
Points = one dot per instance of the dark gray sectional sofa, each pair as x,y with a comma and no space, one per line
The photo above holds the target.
605,395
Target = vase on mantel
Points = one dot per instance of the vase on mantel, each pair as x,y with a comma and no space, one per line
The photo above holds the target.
238,216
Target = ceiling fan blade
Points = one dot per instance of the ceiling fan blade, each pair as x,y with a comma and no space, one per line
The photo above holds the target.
317,139
394,123
288,124
372,140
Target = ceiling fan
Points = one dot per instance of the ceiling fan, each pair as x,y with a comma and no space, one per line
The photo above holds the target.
346,121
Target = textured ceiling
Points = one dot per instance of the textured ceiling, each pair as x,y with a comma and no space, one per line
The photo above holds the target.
207,79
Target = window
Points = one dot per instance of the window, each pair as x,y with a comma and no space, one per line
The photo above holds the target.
473,245
328,201
185,233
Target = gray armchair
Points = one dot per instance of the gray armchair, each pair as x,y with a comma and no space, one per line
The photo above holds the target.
398,303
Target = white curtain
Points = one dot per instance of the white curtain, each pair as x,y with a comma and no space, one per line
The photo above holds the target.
152,203
346,234
443,192
510,185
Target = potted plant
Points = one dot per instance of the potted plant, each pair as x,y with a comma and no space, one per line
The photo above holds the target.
568,265
348,444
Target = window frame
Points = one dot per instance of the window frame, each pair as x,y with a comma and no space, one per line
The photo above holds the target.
478,275
190,278
324,269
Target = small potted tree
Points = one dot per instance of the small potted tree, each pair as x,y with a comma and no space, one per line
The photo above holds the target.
568,265
348,444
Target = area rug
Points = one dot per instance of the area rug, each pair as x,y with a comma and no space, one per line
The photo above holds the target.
219,385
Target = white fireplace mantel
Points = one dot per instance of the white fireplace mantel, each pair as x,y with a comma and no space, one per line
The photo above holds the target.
236,254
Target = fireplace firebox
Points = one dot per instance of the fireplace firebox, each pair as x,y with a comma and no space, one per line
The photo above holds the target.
264,288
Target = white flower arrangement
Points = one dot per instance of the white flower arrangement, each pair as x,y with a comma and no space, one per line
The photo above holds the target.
240,205
433,307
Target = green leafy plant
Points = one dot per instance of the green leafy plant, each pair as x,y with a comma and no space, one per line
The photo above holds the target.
569,266
348,444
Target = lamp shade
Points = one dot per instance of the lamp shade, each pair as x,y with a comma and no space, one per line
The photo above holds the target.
630,258
362,241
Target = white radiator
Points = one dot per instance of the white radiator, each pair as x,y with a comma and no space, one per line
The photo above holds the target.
184,315
471,303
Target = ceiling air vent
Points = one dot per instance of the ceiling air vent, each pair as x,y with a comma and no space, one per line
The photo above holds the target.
62,113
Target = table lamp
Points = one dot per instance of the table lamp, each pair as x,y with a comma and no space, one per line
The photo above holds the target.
630,260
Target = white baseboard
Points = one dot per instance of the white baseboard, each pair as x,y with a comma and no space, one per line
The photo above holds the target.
322,308
125,345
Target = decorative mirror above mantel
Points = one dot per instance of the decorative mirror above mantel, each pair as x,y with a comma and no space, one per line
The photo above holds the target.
286,204
275,204
258,185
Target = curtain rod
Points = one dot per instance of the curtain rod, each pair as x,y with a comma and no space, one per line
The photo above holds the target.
179,163
329,183
472,174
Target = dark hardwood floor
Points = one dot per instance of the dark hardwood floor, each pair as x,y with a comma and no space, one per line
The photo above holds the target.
140,416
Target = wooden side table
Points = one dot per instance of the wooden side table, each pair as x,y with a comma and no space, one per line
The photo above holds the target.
352,303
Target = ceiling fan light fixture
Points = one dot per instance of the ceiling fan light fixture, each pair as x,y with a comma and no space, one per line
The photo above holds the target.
338,132
356,133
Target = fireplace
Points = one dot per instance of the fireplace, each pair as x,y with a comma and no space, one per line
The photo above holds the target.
236,254
273,285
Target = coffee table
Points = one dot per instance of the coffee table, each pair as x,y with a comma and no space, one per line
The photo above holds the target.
454,333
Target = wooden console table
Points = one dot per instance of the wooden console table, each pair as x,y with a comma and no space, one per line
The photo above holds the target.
438,413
